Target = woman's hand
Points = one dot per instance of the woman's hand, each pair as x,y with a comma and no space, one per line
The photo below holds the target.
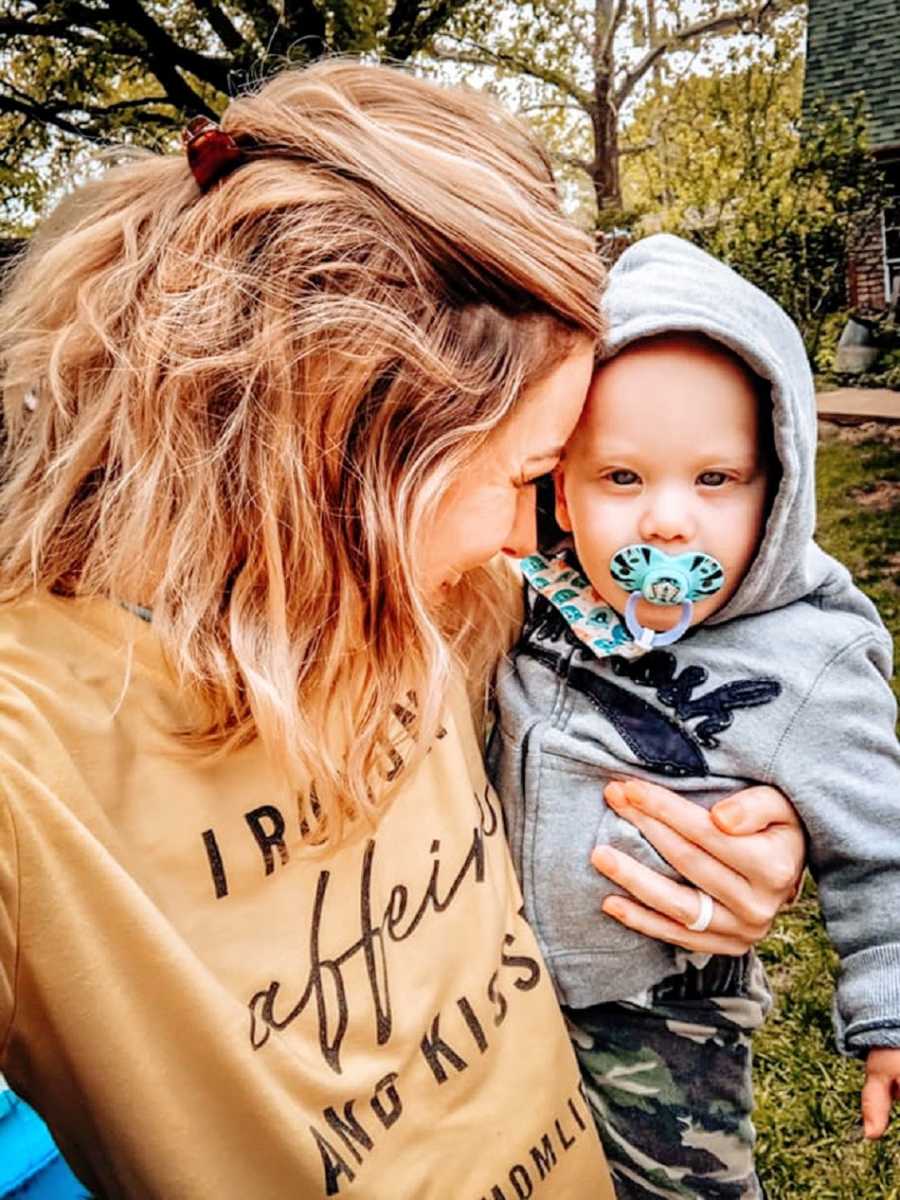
747,853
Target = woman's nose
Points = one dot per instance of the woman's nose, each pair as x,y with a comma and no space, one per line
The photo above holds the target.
522,537
668,517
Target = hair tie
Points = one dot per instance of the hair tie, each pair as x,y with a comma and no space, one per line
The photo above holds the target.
211,152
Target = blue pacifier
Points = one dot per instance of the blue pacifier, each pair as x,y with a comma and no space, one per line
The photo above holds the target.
664,579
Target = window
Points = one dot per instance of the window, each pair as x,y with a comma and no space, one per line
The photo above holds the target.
891,223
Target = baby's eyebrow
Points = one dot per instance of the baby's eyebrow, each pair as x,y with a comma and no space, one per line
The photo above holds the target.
595,454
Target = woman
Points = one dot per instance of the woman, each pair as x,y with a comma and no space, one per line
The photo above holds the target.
270,419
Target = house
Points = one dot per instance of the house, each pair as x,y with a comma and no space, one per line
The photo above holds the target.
852,49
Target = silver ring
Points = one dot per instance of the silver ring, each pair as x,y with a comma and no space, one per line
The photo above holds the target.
704,916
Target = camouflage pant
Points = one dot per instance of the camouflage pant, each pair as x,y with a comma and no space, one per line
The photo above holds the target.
668,1080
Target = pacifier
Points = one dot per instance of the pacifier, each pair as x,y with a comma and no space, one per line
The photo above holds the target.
666,579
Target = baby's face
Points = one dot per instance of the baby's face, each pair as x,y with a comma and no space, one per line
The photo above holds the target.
667,452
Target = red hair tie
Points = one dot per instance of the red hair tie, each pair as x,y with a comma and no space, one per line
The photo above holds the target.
211,152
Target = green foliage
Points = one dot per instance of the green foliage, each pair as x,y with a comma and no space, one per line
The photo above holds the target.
732,167
576,70
78,76
706,141
884,374
826,351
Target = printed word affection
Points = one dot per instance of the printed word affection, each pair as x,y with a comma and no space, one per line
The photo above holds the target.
325,986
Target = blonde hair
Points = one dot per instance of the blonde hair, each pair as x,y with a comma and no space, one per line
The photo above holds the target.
246,405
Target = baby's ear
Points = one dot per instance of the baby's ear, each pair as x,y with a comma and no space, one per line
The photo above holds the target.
562,509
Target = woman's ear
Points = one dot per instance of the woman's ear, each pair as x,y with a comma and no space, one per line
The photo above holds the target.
562,510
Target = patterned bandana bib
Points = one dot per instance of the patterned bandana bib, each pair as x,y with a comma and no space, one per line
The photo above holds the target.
570,592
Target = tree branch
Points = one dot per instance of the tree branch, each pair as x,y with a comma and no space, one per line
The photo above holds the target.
66,31
19,27
63,29
223,27
60,115
551,106
407,32
750,15
297,21
639,148
46,116
563,14
103,110
482,56
570,160
610,35
165,55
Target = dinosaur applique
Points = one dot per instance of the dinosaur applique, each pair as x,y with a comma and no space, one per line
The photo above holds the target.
658,670
662,744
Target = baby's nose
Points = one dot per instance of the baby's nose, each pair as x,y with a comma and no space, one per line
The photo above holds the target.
667,518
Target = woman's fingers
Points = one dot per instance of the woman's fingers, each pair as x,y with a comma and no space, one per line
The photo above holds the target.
663,929
748,876
682,816
763,813
660,907
770,859
753,810
699,851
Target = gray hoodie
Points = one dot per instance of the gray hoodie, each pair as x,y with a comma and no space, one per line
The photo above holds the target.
786,684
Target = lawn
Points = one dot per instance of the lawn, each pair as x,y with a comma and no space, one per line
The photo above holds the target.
810,1140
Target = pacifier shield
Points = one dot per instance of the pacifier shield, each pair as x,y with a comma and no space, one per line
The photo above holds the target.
666,578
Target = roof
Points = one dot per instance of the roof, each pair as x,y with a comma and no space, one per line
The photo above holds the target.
855,48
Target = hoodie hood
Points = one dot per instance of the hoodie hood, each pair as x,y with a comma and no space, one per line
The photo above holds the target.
663,284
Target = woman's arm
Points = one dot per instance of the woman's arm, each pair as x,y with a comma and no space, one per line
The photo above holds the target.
747,853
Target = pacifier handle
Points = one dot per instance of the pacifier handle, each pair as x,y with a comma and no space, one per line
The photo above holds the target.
649,639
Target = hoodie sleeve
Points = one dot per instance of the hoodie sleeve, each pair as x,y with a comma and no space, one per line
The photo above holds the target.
840,765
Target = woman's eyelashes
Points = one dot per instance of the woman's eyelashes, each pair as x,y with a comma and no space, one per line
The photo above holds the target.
533,477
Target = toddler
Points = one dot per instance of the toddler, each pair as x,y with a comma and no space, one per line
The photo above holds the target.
690,631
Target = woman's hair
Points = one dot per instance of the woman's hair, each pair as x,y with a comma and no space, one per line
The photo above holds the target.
241,409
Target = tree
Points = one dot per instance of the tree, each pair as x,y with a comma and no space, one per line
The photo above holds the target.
579,66
730,161
91,72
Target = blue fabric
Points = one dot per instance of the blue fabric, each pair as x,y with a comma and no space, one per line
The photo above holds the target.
31,1167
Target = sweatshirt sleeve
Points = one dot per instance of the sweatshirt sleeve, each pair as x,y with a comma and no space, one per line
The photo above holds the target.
839,763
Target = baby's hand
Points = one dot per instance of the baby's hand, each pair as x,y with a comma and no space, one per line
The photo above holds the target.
881,1087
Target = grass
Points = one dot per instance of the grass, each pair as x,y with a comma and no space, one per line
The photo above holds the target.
810,1135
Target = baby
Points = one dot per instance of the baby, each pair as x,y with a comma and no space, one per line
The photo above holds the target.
690,630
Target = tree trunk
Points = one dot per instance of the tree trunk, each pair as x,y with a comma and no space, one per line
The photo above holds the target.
605,166
603,114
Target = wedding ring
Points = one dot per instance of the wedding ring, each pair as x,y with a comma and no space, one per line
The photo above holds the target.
704,916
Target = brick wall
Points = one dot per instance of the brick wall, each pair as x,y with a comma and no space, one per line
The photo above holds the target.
865,278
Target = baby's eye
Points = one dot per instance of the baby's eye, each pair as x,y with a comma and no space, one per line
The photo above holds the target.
623,478
712,478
